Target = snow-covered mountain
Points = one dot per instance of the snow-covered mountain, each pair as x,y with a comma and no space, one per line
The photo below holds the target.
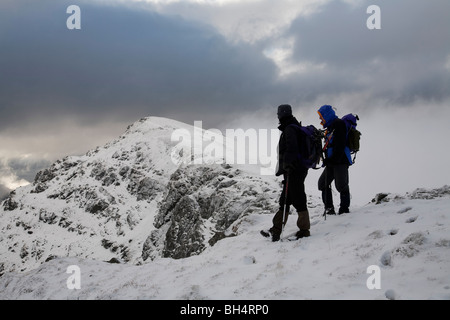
192,232
129,201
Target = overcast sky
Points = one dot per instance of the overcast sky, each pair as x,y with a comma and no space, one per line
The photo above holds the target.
225,62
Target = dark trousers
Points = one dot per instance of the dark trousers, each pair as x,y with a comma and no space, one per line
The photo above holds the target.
338,173
296,196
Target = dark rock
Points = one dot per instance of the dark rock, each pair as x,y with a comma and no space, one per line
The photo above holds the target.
148,189
107,243
184,237
44,176
40,187
98,172
429,194
9,204
152,244
110,179
24,252
380,197
50,258
97,206
226,184
64,223
2,269
47,217
123,171
114,260
219,236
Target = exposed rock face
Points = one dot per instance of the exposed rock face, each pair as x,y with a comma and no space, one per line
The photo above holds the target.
184,236
201,204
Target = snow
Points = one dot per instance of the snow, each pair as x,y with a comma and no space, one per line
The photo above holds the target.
405,237
411,248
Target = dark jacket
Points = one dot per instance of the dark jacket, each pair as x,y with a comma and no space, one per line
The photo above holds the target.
288,146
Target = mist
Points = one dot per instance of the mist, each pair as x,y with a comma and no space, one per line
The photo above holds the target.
402,148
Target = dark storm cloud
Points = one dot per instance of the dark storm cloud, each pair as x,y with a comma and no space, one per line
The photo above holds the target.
401,63
4,192
123,62
128,62
26,168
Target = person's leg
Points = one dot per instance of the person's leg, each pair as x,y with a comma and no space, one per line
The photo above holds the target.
342,186
281,215
300,200
325,180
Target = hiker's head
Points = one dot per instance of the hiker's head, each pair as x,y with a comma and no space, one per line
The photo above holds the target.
284,111
327,115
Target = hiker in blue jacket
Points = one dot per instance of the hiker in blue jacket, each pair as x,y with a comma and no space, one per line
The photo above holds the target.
294,174
337,161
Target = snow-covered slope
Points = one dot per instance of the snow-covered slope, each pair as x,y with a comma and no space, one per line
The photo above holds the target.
406,237
192,232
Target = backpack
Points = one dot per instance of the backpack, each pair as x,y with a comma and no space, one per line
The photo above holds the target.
310,146
353,135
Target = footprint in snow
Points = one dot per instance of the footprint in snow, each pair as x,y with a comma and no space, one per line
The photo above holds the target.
390,294
393,232
386,259
410,220
406,209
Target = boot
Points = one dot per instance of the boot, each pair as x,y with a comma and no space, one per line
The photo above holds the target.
269,233
278,223
303,222
302,234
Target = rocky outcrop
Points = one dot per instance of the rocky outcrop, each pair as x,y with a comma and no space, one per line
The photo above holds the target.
10,204
184,236
200,205
419,193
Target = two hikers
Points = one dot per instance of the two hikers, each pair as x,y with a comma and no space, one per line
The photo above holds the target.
336,162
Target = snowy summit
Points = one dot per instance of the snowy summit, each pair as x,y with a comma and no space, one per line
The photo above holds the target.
124,221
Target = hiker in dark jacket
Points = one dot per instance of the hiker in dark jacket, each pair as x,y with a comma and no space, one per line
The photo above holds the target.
294,177
336,162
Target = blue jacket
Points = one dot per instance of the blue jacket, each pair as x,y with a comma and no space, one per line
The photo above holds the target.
336,149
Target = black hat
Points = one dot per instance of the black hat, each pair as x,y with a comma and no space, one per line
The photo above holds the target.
284,110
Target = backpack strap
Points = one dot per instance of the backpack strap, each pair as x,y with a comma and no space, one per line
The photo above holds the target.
327,140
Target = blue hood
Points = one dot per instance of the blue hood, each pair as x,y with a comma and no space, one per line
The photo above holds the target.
327,115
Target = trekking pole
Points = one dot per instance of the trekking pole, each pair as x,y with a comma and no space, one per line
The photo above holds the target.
285,203
326,194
